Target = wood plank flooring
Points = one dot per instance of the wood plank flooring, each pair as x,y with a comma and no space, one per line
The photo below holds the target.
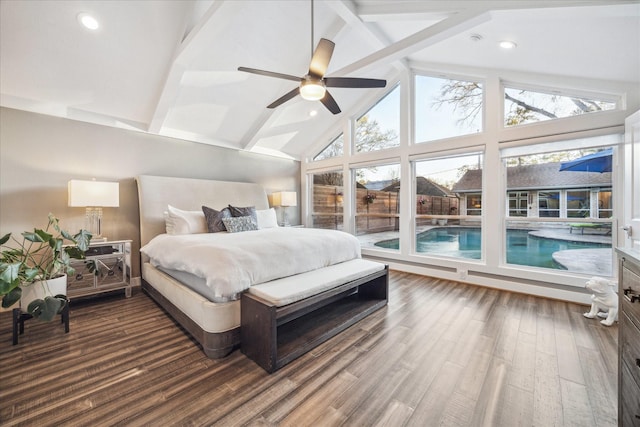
440,354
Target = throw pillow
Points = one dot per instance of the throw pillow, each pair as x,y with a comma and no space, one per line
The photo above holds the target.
215,218
239,223
178,221
266,218
246,211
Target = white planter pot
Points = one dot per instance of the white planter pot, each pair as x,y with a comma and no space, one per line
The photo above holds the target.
41,289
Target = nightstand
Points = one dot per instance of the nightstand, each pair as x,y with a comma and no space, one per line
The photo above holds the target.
112,261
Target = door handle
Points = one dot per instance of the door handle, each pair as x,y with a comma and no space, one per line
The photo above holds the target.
630,295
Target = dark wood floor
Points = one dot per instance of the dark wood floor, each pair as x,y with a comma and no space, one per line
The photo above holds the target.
441,353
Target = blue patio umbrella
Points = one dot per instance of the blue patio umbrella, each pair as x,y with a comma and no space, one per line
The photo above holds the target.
595,162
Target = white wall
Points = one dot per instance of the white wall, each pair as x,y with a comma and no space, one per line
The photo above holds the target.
39,154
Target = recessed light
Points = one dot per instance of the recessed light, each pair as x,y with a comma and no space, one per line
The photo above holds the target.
507,44
88,21
475,37
313,113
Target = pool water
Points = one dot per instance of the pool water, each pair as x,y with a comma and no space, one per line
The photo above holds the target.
463,242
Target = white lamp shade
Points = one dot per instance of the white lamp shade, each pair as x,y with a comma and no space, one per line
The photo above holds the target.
93,193
285,198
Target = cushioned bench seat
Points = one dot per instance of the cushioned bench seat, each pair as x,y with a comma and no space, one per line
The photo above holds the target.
283,319
295,288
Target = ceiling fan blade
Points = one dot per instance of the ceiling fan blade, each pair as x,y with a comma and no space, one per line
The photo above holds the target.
321,57
330,103
353,82
269,74
284,98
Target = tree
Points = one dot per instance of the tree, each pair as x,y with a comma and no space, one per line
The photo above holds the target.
368,137
524,106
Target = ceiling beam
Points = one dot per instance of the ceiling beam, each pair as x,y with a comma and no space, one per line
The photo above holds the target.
419,10
346,10
422,39
184,54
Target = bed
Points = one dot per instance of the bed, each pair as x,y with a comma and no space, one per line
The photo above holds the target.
213,319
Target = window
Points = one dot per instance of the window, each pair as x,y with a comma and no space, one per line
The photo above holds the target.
605,206
518,203
523,106
446,108
448,205
379,128
377,204
578,205
560,228
549,204
474,204
327,200
334,149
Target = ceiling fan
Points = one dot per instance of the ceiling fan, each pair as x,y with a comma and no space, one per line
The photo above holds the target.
313,85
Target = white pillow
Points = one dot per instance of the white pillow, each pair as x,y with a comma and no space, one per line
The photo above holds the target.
266,218
178,221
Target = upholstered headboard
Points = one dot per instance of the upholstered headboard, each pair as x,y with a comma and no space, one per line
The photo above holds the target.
156,192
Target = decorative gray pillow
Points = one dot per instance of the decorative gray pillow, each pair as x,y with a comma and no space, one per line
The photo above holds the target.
214,219
246,211
239,223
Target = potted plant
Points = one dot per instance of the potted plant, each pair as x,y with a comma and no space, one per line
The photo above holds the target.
35,268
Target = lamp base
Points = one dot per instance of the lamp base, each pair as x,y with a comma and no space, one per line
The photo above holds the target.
93,222
285,219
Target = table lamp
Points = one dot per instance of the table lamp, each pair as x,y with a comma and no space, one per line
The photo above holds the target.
94,195
285,199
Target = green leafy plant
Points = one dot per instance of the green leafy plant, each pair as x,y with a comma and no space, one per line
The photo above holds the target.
40,255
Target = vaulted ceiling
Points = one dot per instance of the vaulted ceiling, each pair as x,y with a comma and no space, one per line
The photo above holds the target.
170,67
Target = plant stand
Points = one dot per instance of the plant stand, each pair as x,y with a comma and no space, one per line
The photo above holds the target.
19,317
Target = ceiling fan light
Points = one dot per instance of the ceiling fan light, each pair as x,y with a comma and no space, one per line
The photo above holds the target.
312,90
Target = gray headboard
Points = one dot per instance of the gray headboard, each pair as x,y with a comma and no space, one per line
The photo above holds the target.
156,192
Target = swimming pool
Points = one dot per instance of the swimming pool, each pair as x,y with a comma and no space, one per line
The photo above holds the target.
464,242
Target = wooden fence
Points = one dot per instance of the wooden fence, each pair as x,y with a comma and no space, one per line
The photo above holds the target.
376,211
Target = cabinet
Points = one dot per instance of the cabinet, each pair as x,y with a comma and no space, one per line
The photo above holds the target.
629,338
106,267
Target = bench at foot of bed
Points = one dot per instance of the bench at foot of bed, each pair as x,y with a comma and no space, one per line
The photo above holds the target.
283,319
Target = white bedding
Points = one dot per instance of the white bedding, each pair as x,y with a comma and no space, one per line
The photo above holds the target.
232,262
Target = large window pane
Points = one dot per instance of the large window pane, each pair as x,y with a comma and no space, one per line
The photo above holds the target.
327,200
379,128
557,189
446,108
377,204
448,194
334,149
523,106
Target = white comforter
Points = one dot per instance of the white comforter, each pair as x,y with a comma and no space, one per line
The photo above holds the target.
231,262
